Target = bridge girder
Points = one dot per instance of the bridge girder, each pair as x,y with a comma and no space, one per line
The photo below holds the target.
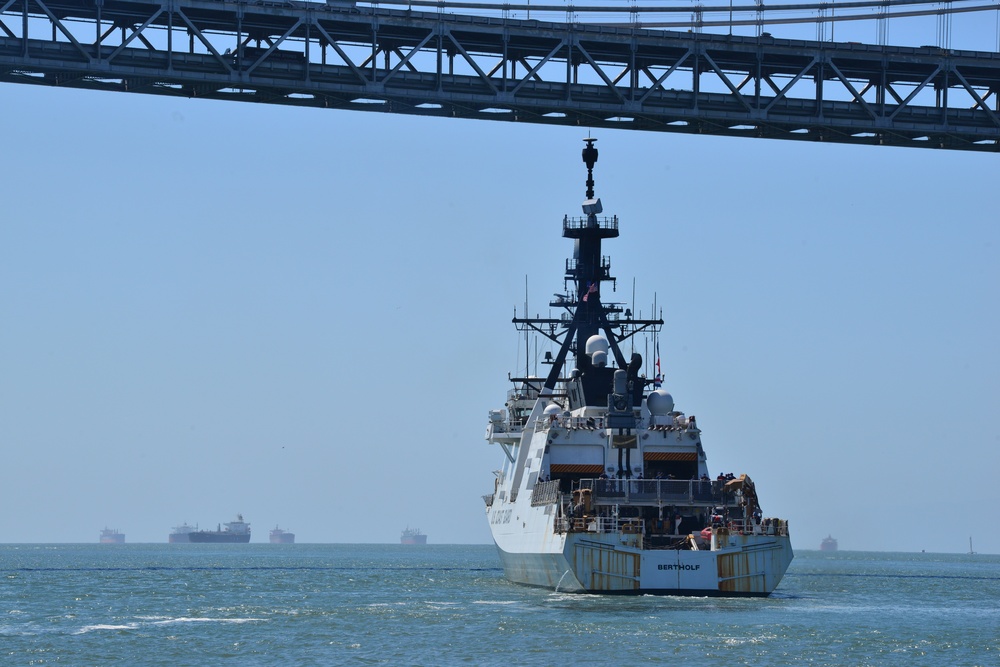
339,55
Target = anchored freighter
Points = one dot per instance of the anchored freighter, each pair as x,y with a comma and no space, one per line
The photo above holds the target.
112,536
233,532
181,534
279,536
604,486
412,536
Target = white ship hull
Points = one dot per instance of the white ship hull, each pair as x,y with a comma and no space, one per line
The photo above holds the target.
539,547
606,563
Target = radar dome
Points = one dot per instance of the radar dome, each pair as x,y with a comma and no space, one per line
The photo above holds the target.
552,409
621,381
660,402
595,343
600,358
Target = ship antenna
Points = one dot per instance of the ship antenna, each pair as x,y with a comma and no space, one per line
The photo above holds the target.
590,159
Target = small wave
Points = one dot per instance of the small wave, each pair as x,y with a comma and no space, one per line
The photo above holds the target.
160,620
199,619
495,602
105,626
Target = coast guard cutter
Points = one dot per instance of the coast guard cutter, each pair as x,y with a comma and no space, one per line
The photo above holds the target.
604,486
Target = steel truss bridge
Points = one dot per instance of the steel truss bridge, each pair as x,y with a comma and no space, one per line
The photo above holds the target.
346,55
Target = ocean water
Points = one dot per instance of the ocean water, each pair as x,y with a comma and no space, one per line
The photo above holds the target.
262,604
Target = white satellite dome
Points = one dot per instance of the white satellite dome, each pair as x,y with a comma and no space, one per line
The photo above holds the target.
600,358
595,343
552,409
660,402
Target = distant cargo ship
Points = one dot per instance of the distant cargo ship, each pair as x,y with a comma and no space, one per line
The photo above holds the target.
181,534
112,536
412,536
279,536
234,532
828,544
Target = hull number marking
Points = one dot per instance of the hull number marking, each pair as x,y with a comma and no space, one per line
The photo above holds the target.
500,516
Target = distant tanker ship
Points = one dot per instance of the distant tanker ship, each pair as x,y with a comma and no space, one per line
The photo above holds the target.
234,532
181,534
112,536
279,536
412,536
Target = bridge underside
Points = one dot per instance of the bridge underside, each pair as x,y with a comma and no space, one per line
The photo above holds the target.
344,56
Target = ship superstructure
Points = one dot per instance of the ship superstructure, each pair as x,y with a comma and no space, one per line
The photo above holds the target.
605,486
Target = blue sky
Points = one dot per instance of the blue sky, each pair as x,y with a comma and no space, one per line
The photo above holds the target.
304,316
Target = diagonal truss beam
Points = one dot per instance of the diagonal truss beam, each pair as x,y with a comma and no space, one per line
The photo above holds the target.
851,89
201,38
534,70
3,8
780,94
340,52
137,32
979,100
472,62
729,84
273,47
658,82
59,24
913,93
406,60
598,69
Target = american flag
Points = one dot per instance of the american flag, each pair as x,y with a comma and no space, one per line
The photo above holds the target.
658,380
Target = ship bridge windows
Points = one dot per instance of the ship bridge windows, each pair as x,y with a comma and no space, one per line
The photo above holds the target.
670,465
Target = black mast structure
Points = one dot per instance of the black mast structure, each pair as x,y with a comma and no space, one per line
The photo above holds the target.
587,314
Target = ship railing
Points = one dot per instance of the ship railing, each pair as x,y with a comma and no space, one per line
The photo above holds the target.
573,264
599,524
570,423
583,223
611,524
665,491
766,526
599,424
676,425
545,493
522,394
507,426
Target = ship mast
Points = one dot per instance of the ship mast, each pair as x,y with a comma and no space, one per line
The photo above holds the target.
588,270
